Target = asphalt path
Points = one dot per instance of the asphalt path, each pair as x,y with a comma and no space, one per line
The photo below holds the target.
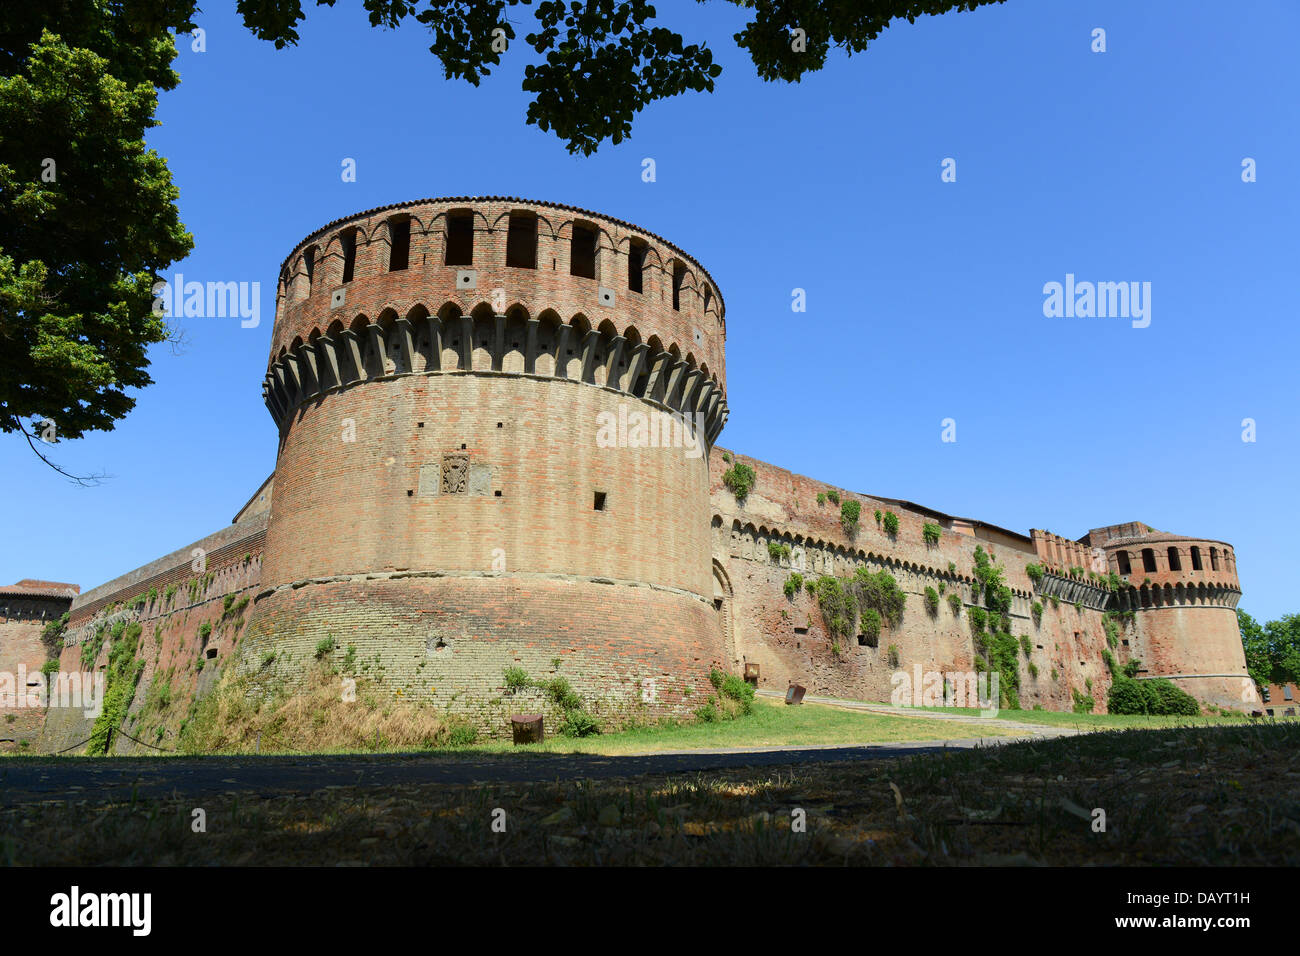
36,780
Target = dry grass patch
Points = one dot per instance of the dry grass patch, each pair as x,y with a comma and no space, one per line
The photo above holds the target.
251,713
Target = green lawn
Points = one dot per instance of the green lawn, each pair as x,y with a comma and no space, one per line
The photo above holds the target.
770,724
1056,718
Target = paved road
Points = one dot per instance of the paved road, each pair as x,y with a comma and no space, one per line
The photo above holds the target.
65,780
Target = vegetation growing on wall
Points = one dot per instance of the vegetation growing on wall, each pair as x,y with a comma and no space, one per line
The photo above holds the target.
890,524
740,479
869,625
834,496
931,601
842,599
931,532
954,602
52,635
850,511
576,722
997,645
777,551
792,584
124,670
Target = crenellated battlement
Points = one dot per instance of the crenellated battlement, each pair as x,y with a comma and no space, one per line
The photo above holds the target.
510,256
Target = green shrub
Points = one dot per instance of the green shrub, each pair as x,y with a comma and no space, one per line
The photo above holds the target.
740,478
1172,699
1025,645
870,625
978,618
931,601
793,584
1033,670
1037,611
834,496
879,590
1082,704
324,646
849,514
736,689
578,723
50,667
776,550
894,658
204,630
931,532
954,602
708,713
821,497
1111,628
891,524
1126,696
462,735
838,606
877,517
1035,572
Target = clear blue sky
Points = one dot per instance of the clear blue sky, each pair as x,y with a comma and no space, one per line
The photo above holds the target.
924,298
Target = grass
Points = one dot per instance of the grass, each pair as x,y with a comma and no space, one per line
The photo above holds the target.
1090,722
770,724
1206,796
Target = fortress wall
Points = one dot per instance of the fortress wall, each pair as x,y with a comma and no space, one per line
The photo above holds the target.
21,654
176,654
220,553
1198,648
305,304
789,641
628,650
533,469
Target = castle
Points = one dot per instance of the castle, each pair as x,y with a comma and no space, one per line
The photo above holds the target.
497,425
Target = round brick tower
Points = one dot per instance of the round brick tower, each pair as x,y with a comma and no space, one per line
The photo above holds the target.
1184,593
494,423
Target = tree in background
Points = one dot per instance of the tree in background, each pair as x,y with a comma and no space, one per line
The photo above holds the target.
597,63
88,214
1272,649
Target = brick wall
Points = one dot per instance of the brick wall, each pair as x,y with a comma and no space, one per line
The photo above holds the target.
787,638
448,640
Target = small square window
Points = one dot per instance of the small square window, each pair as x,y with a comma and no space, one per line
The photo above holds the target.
497,493
598,503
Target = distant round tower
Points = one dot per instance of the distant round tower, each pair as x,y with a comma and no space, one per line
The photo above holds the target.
1184,593
494,423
